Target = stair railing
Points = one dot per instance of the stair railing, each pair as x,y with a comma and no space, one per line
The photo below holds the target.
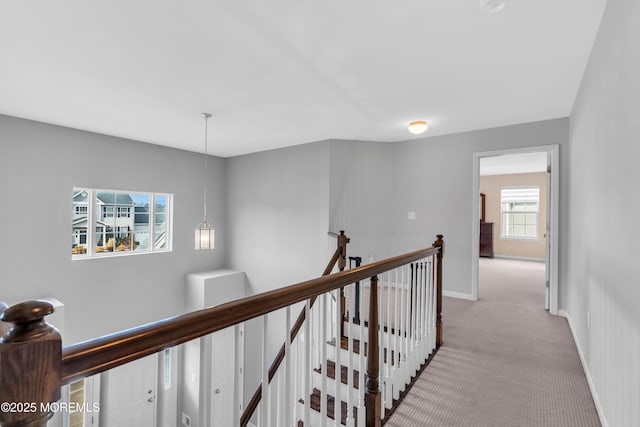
33,367
339,257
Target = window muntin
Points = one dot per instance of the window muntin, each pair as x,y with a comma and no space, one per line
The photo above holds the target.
519,207
123,223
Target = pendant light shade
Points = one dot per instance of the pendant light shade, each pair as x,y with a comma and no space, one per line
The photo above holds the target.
205,234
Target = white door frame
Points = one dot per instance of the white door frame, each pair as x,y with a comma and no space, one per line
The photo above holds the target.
552,234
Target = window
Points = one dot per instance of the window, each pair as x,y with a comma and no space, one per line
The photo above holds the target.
119,223
519,212
107,212
124,212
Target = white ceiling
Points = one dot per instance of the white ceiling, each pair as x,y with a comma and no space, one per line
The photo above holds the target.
283,72
514,163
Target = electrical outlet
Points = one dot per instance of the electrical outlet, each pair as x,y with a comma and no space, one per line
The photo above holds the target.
411,215
186,421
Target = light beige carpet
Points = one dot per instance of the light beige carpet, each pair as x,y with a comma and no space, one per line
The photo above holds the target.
505,361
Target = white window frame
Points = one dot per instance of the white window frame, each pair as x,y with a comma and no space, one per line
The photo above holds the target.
93,207
503,213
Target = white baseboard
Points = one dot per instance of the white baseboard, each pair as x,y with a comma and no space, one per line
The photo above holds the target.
592,388
520,258
459,295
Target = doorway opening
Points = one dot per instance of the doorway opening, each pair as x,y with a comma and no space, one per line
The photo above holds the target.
513,215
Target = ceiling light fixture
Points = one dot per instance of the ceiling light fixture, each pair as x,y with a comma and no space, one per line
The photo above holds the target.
205,234
417,126
492,6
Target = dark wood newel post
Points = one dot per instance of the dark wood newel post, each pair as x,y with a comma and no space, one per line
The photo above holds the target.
439,243
30,365
343,240
372,397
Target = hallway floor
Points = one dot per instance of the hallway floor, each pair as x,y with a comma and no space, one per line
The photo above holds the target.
505,361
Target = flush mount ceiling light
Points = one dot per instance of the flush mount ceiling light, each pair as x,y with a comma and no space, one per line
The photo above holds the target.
492,6
417,126
205,234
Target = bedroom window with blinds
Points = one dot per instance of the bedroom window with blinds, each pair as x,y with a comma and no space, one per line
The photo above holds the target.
519,208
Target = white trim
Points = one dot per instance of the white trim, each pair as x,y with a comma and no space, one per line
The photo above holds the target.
585,367
520,258
475,226
554,151
521,238
458,295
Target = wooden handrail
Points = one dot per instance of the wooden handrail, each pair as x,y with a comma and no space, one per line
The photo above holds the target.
110,351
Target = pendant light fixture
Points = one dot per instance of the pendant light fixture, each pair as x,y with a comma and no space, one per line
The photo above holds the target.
205,234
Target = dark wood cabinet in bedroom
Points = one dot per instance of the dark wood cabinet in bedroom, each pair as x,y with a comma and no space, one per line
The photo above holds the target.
486,232
486,239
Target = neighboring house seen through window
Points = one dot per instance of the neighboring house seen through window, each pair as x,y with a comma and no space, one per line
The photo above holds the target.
519,212
119,222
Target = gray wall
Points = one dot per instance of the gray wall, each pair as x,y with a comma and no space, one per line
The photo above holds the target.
279,206
39,166
360,196
282,202
434,178
278,218
604,233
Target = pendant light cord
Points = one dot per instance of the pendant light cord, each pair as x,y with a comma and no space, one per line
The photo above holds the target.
206,119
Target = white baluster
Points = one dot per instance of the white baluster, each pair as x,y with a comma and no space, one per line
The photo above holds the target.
426,339
403,327
307,365
414,318
397,302
287,407
422,314
265,401
427,307
433,305
315,334
387,371
407,325
419,287
423,310
380,331
350,420
337,406
361,361
276,383
323,358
